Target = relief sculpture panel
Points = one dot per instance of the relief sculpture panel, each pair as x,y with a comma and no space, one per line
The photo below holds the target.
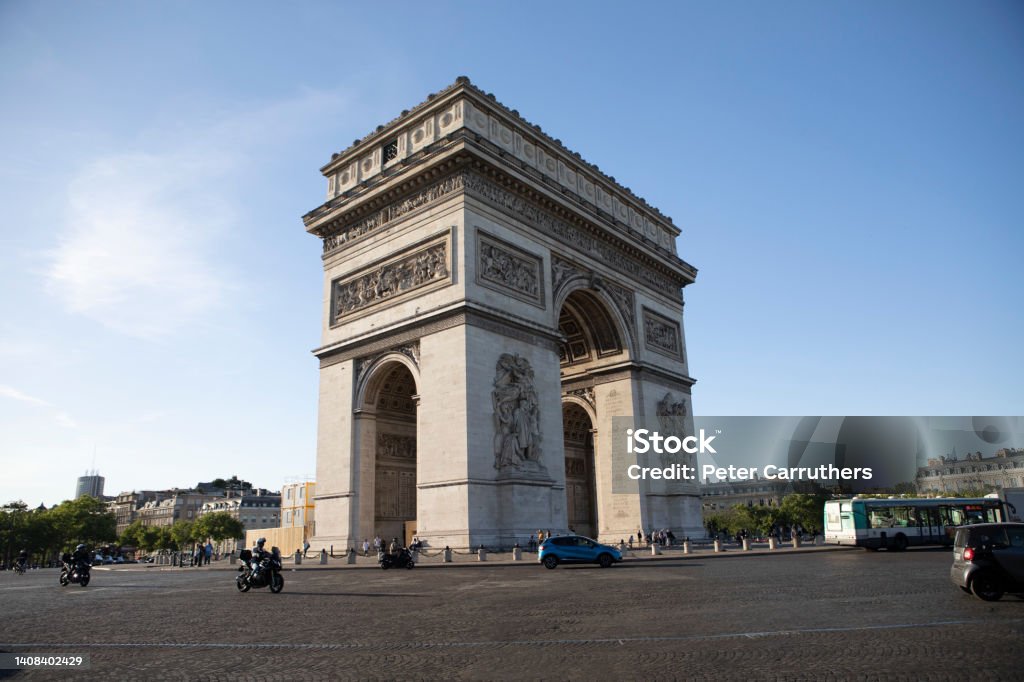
390,280
503,267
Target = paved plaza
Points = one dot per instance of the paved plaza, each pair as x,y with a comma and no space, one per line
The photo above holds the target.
843,614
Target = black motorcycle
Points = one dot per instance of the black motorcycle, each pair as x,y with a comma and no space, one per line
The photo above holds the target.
73,572
265,572
401,560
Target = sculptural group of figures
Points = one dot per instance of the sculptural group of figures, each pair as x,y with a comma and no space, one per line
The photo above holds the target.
516,413
504,268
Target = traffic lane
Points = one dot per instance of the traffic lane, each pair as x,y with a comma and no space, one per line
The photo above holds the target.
718,596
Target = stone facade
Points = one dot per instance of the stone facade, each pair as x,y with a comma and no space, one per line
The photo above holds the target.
479,280
953,474
758,492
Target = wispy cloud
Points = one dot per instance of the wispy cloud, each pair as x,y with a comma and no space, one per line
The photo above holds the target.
141,250
15,394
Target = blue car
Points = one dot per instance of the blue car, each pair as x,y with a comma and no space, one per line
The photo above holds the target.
576,549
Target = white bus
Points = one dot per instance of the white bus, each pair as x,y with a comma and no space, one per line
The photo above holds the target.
896,524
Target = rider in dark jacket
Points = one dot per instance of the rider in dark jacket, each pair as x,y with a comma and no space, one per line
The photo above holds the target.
81,557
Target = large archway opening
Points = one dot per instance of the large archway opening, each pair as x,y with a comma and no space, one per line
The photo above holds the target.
592,339
388,436
580,477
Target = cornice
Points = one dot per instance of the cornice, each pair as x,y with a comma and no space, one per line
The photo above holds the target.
464,106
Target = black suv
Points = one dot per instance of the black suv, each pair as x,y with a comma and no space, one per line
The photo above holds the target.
988,559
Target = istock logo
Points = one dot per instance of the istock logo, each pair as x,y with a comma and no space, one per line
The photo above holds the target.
642,441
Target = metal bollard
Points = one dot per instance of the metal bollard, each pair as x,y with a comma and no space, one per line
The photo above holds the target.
718,545
481,554
517,553
746,544
447,555
771,543
323,557
298,557
351,556
686,546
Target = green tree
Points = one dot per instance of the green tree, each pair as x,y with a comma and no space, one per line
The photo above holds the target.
15,533
85,520
183,533
150,538
133,534
219,526
804,510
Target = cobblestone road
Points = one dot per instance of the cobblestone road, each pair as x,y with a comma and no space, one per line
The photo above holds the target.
830,615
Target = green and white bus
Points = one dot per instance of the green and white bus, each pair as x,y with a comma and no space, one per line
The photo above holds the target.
874,523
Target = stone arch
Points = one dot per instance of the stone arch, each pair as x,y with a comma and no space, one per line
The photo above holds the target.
594,324
580,467
370,375
386,428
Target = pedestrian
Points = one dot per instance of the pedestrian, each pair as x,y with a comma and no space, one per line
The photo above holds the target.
631,542
640,535
208,551
366,547
532,544
197,557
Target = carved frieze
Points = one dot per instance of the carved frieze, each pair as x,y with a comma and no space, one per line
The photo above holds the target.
578,238
377,221
586,394
512,271
561,272
517,434
391,279
396,446
625,302
662,335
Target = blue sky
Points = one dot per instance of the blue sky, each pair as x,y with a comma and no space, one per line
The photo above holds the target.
847,177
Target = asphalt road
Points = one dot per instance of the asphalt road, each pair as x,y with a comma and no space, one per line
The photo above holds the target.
831,615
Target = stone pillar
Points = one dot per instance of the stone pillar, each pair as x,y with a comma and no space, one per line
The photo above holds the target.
481,554
351,556
718,545
796,541
517,553
447,555
298,557
771,543
323,557
746,544
686,546
655,549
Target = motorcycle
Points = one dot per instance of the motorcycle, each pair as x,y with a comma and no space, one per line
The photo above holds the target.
265,572
73,572
401,560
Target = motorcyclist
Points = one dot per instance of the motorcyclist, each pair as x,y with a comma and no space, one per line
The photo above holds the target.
258,555
80,558
22,559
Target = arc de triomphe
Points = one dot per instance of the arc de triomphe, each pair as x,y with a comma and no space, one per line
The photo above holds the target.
491,302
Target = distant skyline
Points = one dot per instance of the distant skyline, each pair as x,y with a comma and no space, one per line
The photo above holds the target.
846,177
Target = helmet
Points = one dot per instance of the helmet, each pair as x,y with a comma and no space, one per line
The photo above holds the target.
79,547
261,542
